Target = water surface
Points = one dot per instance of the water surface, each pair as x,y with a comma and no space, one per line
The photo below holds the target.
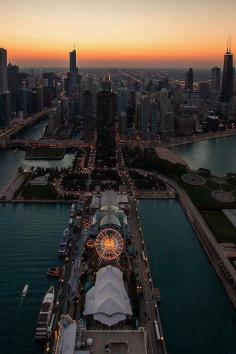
29,238
196,313
11,160
219,155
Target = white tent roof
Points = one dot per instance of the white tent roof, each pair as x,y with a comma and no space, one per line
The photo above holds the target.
108,300
109,321
110,219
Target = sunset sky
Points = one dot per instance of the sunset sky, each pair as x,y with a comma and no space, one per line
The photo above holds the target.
155,33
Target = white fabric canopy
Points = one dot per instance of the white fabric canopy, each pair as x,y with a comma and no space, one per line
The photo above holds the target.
108,300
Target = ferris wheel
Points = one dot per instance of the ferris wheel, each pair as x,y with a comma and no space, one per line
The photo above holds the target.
109,244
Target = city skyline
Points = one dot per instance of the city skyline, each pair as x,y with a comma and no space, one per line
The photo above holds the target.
109,34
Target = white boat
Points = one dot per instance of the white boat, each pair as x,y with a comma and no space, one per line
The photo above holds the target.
63,247
25,290
45,315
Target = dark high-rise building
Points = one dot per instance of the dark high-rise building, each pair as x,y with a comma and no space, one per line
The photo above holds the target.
87,113
4,108
87,105
3,70
106,83
49,94
204,90
215,79
73,69
189,80
106,113
228,76
23,100
37,99
51,79
13,85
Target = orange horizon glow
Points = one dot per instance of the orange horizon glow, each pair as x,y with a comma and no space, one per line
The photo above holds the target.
60,57
110,33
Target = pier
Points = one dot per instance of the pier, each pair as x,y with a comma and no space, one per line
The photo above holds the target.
69,303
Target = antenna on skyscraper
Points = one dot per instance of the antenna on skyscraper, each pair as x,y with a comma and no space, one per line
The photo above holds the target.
230,43
74,46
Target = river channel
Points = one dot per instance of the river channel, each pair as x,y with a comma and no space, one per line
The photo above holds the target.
11,160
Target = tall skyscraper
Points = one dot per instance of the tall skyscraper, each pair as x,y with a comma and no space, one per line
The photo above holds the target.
106,83
189,80
106,113
3,70
55,117
122,100
215,78
228,76
73,69
4,108
13,85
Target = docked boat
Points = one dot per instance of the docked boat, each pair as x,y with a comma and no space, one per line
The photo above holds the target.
64,243
25,290
45,315
73,210
158,295
54,272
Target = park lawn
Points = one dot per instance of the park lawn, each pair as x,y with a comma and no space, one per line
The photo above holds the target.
212,185
39,192
45,153
221,227
227,187
201,196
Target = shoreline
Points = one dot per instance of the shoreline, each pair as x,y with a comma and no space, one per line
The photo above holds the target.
199,138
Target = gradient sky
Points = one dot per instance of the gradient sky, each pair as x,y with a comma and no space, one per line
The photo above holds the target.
156,33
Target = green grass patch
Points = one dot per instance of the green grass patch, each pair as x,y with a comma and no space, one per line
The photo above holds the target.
39,192
212,185
221,227
227,187
45,153
201,196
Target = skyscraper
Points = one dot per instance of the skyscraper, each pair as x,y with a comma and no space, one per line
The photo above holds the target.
122,100
13,85
3,70
106,113
228,76
215,78
4,108
189,80
73,69
106,83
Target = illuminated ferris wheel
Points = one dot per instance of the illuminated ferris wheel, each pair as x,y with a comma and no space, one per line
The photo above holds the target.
109,244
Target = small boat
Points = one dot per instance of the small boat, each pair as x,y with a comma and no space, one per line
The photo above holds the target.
54,272
158,295
45,315
25,290
63,247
